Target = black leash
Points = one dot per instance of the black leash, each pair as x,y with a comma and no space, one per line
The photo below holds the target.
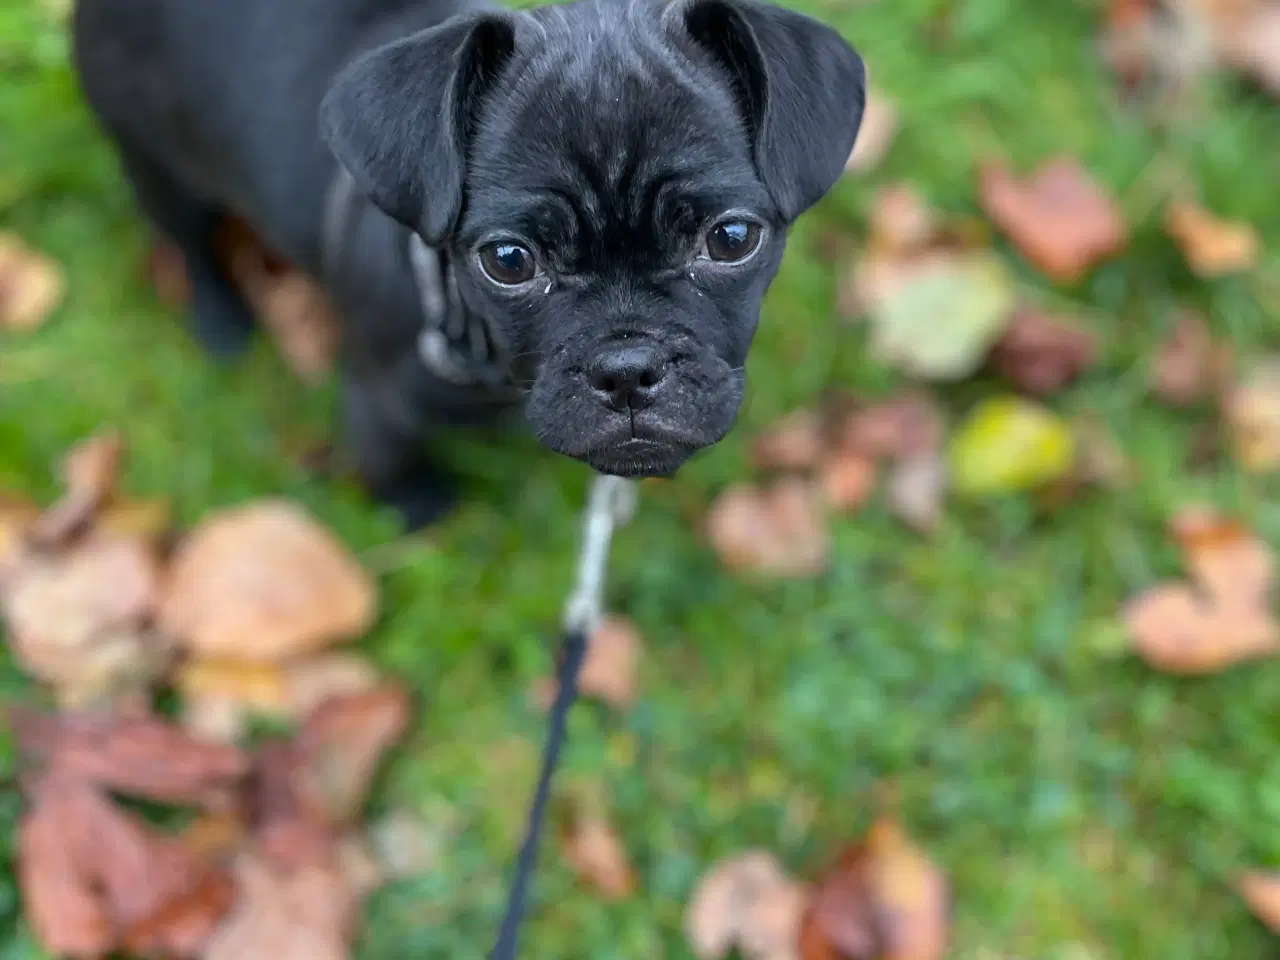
611,502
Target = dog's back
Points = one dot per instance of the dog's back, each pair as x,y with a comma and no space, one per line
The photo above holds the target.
223,95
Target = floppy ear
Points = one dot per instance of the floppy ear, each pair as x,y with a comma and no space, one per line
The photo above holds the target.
398,117
801,88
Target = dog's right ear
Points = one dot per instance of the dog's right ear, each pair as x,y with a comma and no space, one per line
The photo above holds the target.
398,117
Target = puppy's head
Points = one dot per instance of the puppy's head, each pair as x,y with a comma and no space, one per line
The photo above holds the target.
613,182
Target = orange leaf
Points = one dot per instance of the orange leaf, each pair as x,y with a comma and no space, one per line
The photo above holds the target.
1261,891
778,531
1212,247
31,286
595,852
1060,219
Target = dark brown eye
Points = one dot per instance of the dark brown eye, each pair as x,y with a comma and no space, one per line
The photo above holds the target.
508,263
732,240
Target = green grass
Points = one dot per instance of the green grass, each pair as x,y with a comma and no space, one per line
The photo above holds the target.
1084,806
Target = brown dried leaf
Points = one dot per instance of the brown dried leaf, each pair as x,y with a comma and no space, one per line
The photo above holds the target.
1186,365
141,756
746,902
883,899
167,273
1177,632
31,286
17,517
794,442
908,424
185,925
613,657
76,618
875,135
61,903
1234,568
304,914
596,854
1260,889
296,310
902,221
1212,247
915,489
340,746
1252,411
847,480
89,473
265,582
1040,353
778,531
1060,219
148,520
1252,44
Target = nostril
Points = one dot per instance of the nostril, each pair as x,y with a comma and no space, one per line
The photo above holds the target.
626,375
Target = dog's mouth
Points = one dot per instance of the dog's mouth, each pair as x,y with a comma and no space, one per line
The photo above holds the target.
648,453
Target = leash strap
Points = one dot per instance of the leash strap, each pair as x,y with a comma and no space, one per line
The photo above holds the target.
612,502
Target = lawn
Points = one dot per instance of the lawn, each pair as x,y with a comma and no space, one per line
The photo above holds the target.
1084,806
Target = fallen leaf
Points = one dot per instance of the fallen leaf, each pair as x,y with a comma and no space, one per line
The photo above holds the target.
747,902
1235,568
1060,219
264,582
1211,246
902,222
289,304
1252,412
1178,632
1187,365
1040,353
847,480
139,756
1100,460
185,925
883,899
89,473
340,746
778,531
1221,618
1252,44
167,273
875,135
908,424
1260,890
1008,444
613,655
17,517
914,491
31,286
61,903
793,443
90,866
76,619
147,520
941,325
303,914
594,851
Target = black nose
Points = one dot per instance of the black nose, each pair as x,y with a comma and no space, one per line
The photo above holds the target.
625,376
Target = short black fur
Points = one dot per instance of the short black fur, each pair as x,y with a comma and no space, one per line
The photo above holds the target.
603,137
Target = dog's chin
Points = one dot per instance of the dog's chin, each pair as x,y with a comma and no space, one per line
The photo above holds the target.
638,458
623,447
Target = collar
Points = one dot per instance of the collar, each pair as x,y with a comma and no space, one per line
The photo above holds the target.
454,344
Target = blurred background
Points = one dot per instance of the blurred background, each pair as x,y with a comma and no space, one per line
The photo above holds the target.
987,563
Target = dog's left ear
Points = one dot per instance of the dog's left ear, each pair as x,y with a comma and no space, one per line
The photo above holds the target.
800,86
398,117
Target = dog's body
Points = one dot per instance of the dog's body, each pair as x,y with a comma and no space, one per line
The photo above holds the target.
608,183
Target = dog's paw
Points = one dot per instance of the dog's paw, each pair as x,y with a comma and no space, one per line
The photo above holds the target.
420,499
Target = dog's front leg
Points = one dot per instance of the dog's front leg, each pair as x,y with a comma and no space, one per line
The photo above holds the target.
383,430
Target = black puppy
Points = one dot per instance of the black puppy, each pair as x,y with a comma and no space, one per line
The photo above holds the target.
576,208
